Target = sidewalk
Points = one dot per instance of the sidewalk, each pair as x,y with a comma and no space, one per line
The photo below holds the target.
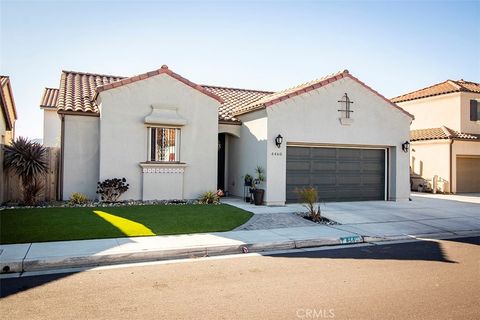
84,253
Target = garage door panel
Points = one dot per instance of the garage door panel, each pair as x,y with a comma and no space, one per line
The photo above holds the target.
338,174
468,174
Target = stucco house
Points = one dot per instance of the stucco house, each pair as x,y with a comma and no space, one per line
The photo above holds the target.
174,139
9,112
445,136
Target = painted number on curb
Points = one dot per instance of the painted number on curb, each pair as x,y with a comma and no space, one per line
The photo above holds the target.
354,239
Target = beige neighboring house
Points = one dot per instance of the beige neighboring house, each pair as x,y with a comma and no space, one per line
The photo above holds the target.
174,139
9,112
7,122
445,136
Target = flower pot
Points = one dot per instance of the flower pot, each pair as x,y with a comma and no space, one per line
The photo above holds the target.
258,196
248,183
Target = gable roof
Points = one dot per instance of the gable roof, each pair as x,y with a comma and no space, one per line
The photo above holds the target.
49,98
163,70
78,91
306,87
9,110
440,134
445,87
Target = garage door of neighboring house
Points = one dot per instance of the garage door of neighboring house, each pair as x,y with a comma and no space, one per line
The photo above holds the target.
339,174
468,174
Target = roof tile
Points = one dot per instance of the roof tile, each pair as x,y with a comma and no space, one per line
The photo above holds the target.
445,87
440,134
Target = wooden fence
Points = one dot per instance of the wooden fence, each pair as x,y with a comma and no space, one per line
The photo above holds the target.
12,187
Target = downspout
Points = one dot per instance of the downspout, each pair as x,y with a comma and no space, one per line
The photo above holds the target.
451,165
62,148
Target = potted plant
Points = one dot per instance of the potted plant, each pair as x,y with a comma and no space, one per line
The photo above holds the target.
248,180
258,193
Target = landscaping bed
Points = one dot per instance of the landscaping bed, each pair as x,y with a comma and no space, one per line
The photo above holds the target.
25,225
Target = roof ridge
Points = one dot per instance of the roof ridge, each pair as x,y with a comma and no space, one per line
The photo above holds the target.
93,74
448,131
233,88
455,84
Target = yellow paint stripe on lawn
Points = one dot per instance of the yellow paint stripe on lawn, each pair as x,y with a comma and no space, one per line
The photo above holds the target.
128,227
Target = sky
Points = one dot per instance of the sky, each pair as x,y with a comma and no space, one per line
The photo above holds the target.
394,47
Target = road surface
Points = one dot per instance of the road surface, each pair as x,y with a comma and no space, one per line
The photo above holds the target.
422,280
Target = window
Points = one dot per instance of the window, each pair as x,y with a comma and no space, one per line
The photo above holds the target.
474,110
164,144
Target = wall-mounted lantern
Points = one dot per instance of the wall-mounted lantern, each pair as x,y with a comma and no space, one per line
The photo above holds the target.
278,141
405,146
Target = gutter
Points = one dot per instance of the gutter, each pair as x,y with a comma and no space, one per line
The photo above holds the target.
62,148
451,165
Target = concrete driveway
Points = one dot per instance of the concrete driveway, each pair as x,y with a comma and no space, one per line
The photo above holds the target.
426,214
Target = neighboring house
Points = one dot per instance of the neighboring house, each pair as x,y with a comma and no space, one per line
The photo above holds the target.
7,122
9,112
445,135
173,139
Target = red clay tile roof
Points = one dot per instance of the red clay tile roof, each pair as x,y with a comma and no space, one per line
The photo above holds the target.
304,88
234,98
445,87
163,69
441,133
77,90
49,98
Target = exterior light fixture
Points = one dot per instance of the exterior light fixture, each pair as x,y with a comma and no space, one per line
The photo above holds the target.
278,141
405,146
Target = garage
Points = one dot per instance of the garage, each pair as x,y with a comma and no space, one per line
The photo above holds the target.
338,173
468,174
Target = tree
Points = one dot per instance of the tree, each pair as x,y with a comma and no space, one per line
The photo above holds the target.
27,159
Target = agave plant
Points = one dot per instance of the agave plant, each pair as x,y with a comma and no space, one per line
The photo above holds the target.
27,159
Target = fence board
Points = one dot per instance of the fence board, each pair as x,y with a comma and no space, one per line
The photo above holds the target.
12,187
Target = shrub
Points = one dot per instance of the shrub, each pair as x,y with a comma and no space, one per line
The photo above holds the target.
210,197
78,198
309,197
259,176
110,190
27,160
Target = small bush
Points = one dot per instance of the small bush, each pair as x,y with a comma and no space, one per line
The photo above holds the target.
111,189
78,198
309,197
210,197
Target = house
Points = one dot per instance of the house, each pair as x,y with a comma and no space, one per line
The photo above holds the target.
445,135
174,139
9,112
7,123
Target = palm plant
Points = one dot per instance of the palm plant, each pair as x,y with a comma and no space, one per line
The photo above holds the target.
27,159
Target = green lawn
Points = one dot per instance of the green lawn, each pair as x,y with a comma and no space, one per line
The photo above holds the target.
53,224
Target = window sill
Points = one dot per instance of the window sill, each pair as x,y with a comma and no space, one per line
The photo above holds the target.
345,121
162,167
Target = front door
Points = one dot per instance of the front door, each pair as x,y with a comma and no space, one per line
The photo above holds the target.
221,162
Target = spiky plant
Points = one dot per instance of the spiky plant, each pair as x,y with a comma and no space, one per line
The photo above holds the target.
27,159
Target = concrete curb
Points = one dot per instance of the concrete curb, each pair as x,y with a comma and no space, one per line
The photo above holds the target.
94,260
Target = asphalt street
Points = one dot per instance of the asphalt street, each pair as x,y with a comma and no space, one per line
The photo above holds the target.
435,279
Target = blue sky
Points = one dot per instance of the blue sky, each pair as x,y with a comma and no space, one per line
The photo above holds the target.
394,47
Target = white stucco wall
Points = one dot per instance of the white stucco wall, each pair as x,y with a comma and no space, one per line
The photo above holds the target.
51,128
430,158
124,135
81,154
434,112
248,151
313,118
466,124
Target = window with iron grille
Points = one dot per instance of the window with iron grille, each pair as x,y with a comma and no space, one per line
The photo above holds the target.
164,144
